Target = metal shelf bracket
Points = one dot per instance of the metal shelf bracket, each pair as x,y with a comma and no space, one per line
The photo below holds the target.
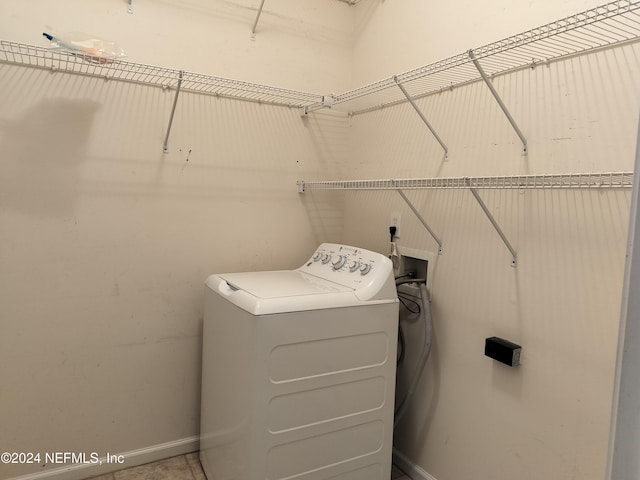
173,111
422,220
255,23
422,117
495,94
514,257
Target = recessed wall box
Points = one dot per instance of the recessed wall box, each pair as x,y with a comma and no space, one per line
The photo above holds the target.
503,351
420,262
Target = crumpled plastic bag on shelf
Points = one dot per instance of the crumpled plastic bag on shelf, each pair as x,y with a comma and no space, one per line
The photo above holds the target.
87,47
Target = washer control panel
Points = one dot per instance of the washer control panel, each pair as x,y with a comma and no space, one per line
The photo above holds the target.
346,265
341,258
369,273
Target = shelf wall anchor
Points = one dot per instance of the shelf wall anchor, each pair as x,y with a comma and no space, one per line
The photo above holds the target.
422,117
422,220
173,111
255,23
495,94
474,191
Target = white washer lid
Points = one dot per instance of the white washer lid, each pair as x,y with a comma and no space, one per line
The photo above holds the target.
281,284
264,293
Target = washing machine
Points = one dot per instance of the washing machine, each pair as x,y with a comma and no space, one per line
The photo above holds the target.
298,370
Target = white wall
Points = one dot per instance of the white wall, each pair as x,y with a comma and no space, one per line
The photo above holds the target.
474,418
393,36
105,241
295,40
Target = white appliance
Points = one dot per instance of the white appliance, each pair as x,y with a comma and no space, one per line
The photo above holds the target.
298,370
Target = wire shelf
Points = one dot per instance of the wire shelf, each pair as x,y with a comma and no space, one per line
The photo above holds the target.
608,25
83,64
559,181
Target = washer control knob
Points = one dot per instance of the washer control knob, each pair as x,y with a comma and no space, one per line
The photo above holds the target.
365,268
354,265
338,262
325,258
317,256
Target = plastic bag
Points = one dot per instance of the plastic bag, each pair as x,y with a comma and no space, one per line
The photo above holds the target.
90,49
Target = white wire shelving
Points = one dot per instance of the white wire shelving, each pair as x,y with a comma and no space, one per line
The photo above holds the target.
608,25
78,63
601,181
82,64
548,181
614,24
605,26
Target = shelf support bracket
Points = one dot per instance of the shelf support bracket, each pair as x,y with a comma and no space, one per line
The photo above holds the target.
255,23
474,191
422,220
422,117
495,94
173,111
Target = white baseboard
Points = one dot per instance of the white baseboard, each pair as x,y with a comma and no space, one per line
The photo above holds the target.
416,472
131,459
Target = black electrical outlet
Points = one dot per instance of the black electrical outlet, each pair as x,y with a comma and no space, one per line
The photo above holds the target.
503,351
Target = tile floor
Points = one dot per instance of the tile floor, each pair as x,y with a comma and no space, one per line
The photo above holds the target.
183,467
